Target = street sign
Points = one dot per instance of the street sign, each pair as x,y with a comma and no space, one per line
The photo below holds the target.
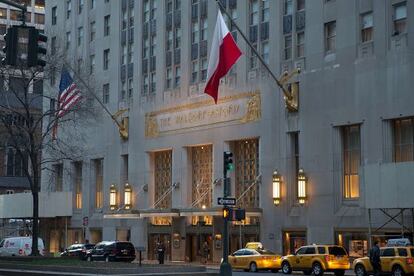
226,201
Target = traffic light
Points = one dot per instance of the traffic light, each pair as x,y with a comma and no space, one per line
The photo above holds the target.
10,49
226,212
37,47
228,161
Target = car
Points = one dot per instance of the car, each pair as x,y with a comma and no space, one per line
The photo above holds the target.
255,259
316,259
77,250
396,260
110,251
20,246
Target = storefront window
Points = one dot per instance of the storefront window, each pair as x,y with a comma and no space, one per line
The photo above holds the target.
292,241
356,243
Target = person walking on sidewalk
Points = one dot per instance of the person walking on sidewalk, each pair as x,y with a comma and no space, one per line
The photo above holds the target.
374,258
205,252
160,252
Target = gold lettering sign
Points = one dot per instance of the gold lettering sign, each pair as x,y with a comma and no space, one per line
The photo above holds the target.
241,108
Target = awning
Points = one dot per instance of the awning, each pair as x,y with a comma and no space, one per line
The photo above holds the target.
149,213
121,216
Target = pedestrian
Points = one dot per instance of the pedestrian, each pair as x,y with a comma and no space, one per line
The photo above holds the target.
160,252
374,258
205,251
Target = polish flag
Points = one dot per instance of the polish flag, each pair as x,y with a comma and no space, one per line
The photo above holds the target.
224,53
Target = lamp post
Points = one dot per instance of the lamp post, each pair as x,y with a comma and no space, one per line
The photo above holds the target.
127,196
276,187
302,181
112,197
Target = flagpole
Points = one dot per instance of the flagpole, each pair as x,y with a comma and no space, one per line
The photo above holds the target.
93,94
254,49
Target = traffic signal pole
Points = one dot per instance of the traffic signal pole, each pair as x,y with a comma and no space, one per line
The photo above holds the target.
225,267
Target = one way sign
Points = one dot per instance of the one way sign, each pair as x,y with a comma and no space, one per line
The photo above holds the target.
226,201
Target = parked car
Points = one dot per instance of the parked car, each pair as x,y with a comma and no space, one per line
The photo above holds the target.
255,259
19,246
395,260
110,251
77,250
316,259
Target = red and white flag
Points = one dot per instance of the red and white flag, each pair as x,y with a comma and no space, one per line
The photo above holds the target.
224,53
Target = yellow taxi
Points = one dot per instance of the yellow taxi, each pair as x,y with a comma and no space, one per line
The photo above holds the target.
316,259
255,259
395,260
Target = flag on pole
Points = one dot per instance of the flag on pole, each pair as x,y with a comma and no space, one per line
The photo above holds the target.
224,53
69,95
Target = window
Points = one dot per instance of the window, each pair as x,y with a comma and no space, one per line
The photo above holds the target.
288,47
39,4
301,251
16,164
265,51
68,39
168,78
400,18
265,10
402,252
177,80
336,251
93,3
80,35
39,18
106,59
54,18
68,8
92,64
105,93
106,25
388,252
288,7
58,177
300,44
98,183
300,5
351,160
404,140
3,13
367,27
321,250
130,88
93,30
330,36
53,45
310,250
80,6
78,184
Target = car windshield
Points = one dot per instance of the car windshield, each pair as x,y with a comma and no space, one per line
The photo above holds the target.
337,251
265,252
89,246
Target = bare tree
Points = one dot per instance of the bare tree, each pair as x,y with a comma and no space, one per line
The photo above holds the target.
28,117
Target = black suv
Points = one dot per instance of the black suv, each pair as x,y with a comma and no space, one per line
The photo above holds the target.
111,251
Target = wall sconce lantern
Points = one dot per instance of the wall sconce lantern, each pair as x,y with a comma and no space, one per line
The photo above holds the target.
112,197
276,188
127,196
302,181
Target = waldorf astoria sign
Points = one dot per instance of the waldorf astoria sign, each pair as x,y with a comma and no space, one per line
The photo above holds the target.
240,108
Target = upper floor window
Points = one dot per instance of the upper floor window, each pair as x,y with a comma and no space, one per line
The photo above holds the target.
330,36
16,163
300,5
80,35
404,140
58,177
288,7
288,47
300,44
68,39
92,30
106,25
367,27
400,18
3,13
105,93
93,3
106,59
92,64
68,8
351,144
80,5
54,17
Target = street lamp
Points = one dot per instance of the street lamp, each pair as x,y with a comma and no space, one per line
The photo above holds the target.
302,181
127,196
276,188
112,197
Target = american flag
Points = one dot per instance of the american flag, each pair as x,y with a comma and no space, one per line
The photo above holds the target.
69,94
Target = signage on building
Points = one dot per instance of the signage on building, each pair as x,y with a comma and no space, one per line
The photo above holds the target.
226,201
236,109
